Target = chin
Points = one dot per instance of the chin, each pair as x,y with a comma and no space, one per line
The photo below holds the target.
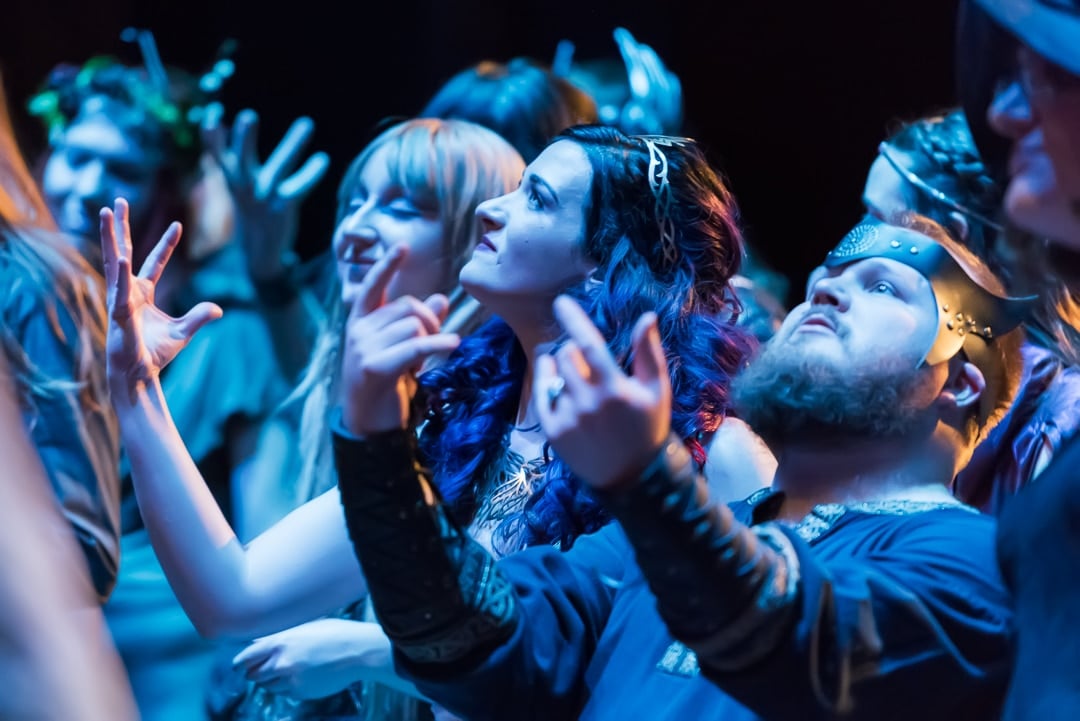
1042,211
476,281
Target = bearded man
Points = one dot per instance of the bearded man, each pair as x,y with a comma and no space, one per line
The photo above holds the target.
855,586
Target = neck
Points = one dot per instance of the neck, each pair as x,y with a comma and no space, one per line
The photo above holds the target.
861,471
536,331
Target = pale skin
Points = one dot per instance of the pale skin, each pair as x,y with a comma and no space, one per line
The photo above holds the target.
1039,113
1037,530
56,660
304,566
268,196
301,568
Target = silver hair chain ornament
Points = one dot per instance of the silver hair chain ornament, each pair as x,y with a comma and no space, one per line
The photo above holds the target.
661,190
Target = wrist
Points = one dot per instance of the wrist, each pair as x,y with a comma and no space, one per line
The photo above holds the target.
139,403
279,286
671,458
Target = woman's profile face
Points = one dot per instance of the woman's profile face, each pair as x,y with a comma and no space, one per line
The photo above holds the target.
531,247
886,193
381,215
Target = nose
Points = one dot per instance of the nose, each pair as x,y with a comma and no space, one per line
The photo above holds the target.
90,187
1010,113
830,290
491,214
357,228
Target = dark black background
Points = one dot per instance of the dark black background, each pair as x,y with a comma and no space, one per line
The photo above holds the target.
790,98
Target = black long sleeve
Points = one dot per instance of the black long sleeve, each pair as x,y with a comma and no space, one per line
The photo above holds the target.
726,590
435,591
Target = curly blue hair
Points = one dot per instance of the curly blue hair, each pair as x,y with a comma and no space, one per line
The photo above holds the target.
471,400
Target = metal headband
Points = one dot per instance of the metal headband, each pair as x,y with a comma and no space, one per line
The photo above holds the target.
933,193
970,316
661,190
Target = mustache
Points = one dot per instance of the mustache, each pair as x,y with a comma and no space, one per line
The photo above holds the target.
827,312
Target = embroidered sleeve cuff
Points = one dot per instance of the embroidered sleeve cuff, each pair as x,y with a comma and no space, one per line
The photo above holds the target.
725,590
436,592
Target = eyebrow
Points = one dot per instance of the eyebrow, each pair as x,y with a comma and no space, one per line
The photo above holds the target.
537,180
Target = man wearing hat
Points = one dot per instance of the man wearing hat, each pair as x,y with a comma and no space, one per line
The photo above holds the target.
855,586
1022,59
1019,78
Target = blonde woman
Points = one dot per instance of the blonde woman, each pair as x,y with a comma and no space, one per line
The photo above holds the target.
416,186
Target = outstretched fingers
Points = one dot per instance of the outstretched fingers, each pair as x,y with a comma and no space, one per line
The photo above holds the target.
110,250
121,301
636,73
650,363
244,139
159,257
214,136
286,156
190,323
122,227
577,324
299,184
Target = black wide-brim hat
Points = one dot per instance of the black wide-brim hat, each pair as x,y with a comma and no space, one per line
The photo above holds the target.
1049,27
987,35
985,54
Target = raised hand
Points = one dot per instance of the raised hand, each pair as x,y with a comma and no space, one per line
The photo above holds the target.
655,104
267,196
606,425
142,339
385,346
318,658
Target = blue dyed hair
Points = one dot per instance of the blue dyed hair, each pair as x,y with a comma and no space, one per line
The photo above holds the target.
472,398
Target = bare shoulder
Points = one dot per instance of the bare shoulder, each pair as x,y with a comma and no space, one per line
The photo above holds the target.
739,462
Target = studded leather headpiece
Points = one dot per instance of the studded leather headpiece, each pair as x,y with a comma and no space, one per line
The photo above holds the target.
970,315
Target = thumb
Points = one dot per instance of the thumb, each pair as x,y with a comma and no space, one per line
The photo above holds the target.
190,323
650,365
257,652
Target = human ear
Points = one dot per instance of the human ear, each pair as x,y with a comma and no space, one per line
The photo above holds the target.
964,387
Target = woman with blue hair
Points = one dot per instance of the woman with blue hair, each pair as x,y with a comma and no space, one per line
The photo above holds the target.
625,224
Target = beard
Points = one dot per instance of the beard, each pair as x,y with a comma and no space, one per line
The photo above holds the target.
791,398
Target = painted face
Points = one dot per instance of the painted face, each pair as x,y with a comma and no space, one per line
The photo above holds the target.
861,312
886,192
93,163
531,249
383,215
1039,111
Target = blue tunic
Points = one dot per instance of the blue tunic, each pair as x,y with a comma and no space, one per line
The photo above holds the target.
900,609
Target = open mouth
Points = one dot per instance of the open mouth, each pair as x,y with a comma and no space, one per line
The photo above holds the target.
817,321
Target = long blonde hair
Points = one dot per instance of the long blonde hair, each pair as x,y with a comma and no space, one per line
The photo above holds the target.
458,165
55,270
